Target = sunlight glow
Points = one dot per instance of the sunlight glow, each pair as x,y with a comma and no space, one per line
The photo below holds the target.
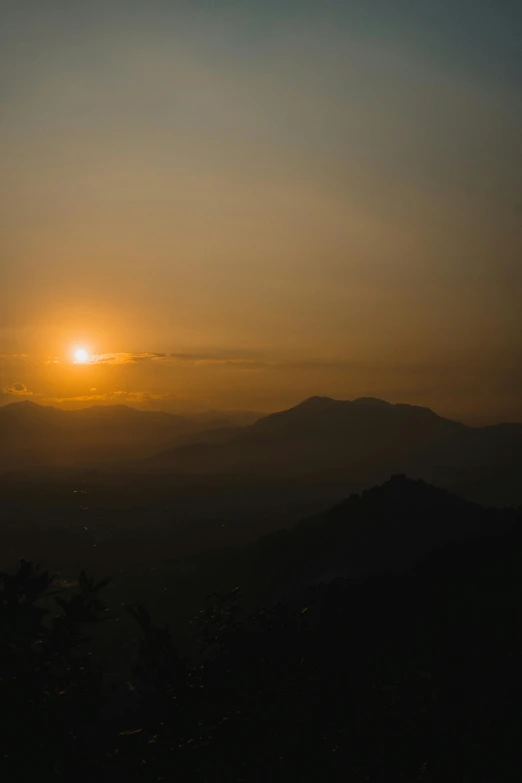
81,356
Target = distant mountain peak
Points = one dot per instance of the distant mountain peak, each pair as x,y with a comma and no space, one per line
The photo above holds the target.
370,401
317,402
25,406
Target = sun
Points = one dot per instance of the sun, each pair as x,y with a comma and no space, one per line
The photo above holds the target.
81,356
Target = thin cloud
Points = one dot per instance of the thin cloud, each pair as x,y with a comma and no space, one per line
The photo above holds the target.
233,360
80,398
185,359
17,389
115,397
124,358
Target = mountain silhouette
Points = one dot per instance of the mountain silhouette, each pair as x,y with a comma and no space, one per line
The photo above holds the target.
34,435
323,430
367,440
385,529
361,442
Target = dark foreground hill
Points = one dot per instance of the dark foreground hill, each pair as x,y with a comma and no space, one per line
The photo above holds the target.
385,529
367,440
407,676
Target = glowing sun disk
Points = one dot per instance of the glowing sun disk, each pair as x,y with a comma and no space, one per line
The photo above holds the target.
81,356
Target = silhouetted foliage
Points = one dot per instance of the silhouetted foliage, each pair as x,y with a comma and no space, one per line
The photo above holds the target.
408,677
50,690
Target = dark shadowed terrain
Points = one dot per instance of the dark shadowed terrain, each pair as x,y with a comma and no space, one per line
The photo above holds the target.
399,662
332,614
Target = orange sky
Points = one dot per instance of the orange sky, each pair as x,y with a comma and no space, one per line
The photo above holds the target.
263,204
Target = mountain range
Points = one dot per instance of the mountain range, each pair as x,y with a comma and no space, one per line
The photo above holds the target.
33,435
363,441
367,440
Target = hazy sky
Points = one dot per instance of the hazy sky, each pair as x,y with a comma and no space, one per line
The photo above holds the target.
241,203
